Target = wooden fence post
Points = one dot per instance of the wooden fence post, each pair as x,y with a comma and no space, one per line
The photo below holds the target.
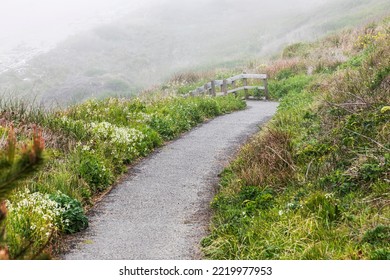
266,89
213,88
224,87
205,89
245,82
233,85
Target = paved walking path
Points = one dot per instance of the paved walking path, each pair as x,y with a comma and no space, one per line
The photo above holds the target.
161,211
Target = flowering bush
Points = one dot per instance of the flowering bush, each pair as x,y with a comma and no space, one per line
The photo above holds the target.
122,112
367,40
124,143
33,218
68,126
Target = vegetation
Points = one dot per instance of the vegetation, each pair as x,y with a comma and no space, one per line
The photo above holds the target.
314,184
88,146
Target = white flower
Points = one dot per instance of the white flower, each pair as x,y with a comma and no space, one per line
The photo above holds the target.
86,148
329,195
36,210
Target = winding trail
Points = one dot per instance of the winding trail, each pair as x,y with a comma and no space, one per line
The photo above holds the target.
161,211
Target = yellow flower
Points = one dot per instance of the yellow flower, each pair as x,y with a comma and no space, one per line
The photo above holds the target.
385,109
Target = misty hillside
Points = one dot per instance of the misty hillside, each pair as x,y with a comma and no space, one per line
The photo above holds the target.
143,49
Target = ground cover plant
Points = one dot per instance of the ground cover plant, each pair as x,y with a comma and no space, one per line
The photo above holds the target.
87,147
314,184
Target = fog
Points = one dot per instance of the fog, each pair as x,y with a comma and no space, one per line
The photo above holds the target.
64,50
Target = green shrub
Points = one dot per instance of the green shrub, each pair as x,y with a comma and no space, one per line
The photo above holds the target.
324,206
380,254
121,143
254,199
295,50
164,125
32,220
281,87
73,217
380,235
92,168
230,103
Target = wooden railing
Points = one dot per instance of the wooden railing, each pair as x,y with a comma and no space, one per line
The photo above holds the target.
224,85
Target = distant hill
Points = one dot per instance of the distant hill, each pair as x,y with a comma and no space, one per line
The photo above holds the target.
138,51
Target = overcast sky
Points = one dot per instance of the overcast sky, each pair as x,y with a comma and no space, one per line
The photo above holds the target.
37,23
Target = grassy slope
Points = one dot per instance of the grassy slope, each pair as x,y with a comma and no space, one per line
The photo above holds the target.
314,184
88,146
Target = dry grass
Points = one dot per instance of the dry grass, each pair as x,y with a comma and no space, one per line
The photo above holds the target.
267,160
292,64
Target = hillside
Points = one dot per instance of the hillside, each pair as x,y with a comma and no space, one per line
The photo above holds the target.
315,183
144,49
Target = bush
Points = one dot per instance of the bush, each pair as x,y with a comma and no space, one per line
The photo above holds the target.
294,50
378,235
73,217
33,219
284,86
323,206
92,168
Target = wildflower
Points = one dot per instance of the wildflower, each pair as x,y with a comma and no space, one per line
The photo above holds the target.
86,148
329,195
385,109
290,205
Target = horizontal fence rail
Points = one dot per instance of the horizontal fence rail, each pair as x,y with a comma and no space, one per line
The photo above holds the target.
211,87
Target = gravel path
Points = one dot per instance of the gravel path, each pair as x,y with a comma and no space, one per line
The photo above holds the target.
161,211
